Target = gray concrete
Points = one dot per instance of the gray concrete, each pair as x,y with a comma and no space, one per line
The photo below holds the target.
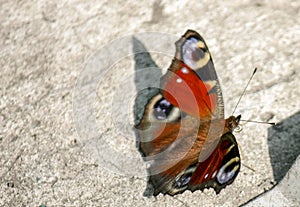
50,154
286,193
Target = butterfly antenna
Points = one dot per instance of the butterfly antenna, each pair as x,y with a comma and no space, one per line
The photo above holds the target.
244,90
261,122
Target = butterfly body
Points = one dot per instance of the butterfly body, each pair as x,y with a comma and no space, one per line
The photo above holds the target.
183,136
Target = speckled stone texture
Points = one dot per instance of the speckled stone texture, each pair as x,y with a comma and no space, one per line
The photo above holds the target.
48,154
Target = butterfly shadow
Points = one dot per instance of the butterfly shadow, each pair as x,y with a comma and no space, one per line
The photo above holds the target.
284,145
147,77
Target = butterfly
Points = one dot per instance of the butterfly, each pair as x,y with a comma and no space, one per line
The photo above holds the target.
184,139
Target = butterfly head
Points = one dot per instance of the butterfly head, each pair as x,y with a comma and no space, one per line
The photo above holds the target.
232,122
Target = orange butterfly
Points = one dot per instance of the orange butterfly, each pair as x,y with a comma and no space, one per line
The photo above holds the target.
183,136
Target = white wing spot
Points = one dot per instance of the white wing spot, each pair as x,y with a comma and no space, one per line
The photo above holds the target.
184,70
206,176
214,174
179,80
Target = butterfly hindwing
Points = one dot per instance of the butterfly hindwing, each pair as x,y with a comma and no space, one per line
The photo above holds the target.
220,169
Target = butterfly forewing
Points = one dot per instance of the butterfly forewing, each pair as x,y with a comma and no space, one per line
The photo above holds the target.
192,56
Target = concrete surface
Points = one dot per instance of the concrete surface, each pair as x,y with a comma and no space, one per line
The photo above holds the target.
286,193
51,156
